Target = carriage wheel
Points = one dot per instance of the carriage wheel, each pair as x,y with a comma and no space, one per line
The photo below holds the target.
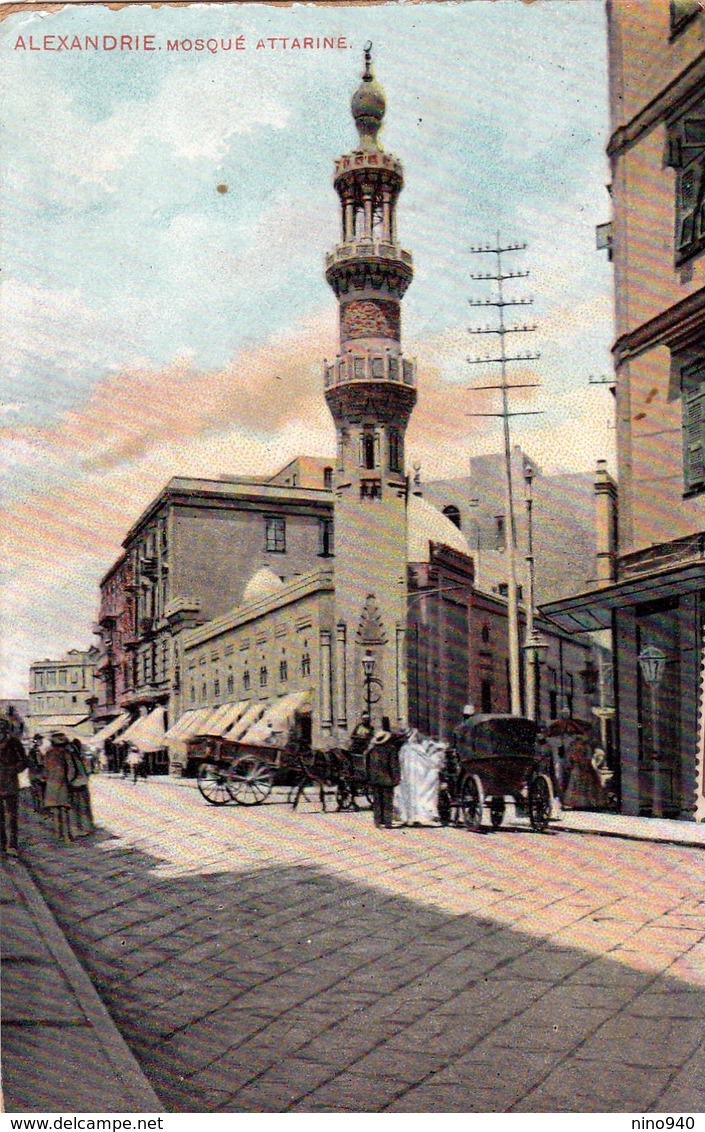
540,802
250,781
472,802
497,812
213,784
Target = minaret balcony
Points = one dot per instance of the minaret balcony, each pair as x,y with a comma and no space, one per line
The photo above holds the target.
369,249
370,367
369,161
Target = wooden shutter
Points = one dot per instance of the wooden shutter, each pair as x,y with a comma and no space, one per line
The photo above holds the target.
693,378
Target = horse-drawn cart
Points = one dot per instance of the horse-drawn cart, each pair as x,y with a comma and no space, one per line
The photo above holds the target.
245,773
494,757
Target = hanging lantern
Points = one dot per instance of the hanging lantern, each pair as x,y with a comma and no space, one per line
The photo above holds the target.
652,662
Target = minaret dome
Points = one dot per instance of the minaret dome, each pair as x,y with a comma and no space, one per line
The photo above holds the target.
368,105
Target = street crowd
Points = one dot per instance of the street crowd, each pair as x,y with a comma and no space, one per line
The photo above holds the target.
58,775
404,771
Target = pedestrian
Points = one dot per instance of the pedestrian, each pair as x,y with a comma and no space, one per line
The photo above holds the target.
383,775
79,792
37,774
57,800
361,734
468,713
584,789
416,796
135,763
12,762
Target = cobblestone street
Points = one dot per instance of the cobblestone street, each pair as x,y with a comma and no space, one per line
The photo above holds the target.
264,960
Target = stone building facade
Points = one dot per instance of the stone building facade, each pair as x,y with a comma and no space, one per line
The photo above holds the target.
654,602
62,693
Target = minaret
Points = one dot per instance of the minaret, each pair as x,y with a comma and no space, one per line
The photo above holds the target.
370,389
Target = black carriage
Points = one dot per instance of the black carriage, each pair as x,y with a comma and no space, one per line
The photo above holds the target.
494,757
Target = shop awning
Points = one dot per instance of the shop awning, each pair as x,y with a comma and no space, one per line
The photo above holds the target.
147,733
278,719
188,724
44,724
111,729
227,715
254,712
590,611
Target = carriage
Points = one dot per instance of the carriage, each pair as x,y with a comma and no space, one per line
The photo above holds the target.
494,757
245,773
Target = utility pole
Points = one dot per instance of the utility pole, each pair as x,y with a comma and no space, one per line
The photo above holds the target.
498,301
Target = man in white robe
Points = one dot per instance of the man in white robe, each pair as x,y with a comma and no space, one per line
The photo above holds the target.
416,796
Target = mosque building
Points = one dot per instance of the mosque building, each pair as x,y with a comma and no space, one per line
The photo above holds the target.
260,607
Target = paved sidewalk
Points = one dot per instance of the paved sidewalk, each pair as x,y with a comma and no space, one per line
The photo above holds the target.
61,1051
664,830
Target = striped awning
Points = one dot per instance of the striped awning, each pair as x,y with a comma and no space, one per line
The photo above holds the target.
111,729
278,719
254,712
147,733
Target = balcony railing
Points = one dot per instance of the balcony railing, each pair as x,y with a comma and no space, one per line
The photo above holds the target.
368,249
370,367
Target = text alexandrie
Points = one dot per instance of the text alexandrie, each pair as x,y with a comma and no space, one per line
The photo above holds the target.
151,43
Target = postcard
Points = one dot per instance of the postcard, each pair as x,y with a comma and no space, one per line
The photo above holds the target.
352,400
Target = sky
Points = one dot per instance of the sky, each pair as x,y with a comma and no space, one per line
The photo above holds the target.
166,215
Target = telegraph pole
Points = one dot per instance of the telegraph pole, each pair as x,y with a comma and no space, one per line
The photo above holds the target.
498,301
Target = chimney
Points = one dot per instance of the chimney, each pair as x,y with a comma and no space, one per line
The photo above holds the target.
606,508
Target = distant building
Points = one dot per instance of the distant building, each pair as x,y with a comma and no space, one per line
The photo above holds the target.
651,590
563,523
62,693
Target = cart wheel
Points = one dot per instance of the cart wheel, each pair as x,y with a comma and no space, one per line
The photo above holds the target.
250,781
540,802
213,784
497,812
472,802
445,809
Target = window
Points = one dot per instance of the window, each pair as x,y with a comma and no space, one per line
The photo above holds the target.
216,687
283,670
370,489
325,537
275,536
231,684
327,478
693,398
486,696
396,451
263,676
485,633
500,536
246,680
451,512
686,154
306,664
367,449
204,692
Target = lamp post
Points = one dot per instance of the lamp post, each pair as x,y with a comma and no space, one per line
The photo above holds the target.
535,645
652,662
368,669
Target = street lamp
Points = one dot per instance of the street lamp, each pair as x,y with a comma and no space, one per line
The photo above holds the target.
368,668
652,662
